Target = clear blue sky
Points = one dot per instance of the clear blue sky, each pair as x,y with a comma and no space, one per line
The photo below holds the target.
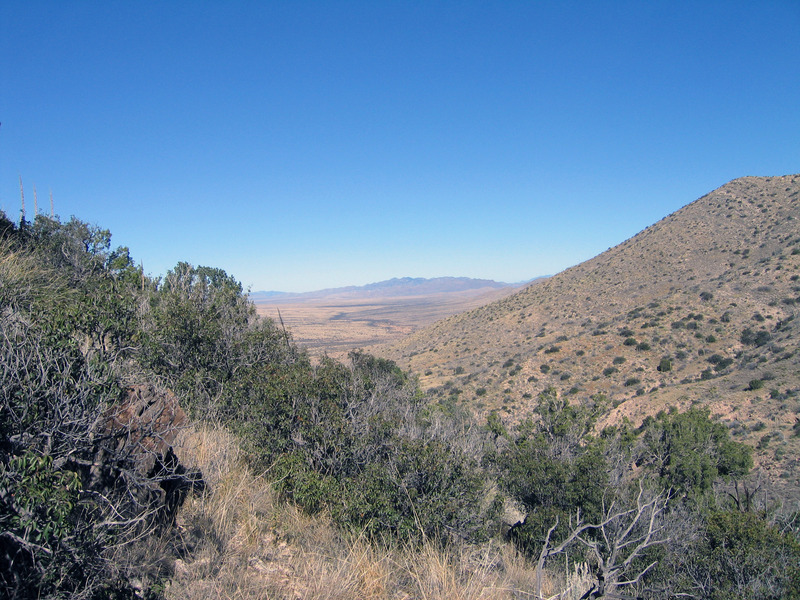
304,145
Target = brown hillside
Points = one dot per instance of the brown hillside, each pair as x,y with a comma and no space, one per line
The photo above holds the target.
691,310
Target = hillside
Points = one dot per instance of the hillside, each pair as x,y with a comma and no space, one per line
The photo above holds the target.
159,439
697,308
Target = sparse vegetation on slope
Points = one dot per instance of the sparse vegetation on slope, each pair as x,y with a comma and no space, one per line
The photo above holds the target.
314,479
699,307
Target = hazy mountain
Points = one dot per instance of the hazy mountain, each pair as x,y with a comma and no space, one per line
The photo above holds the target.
697,308
336,321
396,287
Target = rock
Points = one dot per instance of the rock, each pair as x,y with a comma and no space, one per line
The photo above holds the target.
134,455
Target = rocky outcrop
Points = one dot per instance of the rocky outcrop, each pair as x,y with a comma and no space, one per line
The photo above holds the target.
134,458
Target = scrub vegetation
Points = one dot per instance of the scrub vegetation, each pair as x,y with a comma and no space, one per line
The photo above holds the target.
293,477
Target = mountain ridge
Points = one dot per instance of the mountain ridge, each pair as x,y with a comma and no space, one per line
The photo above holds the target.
394,287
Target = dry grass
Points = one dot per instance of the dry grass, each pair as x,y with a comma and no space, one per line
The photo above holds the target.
240,541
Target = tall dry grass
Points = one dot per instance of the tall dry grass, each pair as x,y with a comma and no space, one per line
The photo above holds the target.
239,541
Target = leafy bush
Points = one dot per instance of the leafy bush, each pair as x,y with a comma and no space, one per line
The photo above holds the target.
67,326
755,338
689,451
739,555
362,442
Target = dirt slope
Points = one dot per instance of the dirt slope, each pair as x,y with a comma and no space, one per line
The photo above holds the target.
690,310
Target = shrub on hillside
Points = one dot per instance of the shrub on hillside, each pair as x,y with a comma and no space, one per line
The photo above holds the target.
689,452
755,338
67,326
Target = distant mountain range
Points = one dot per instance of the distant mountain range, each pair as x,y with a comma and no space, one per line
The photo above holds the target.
392,288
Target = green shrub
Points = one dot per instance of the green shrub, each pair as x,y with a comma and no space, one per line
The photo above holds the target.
689,452
755,338
739,555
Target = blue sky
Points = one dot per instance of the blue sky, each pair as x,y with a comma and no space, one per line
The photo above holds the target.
305,145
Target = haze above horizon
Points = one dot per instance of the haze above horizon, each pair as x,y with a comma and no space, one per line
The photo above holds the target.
302,146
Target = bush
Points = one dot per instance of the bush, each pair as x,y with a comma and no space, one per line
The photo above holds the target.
755,338
689,452
68,324
739,555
